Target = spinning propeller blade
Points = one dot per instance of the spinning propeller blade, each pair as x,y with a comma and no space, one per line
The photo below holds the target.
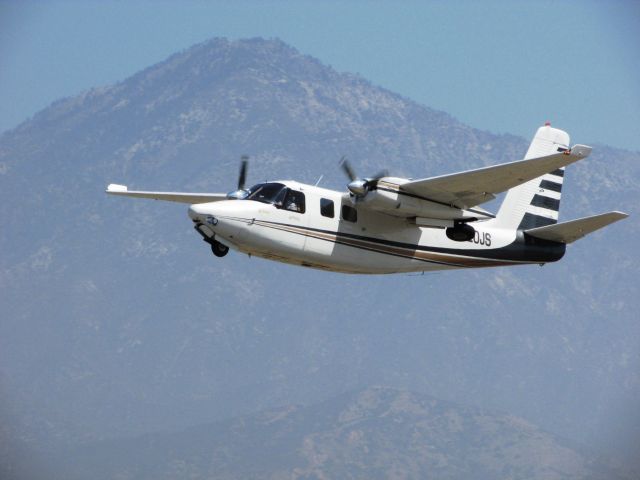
244,162
378,176
242,177
344,163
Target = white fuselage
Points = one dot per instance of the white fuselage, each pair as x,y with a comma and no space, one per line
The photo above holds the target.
386,224
374,242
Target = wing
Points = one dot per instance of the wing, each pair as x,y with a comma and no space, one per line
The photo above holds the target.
568,232
473,187
122,190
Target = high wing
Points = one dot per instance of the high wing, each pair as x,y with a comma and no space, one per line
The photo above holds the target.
122,190
473,187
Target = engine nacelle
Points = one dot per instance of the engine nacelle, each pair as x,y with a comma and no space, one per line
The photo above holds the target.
405,205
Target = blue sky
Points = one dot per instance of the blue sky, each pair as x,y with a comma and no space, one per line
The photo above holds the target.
500,66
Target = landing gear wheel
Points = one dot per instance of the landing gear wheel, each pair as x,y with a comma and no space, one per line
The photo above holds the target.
218,249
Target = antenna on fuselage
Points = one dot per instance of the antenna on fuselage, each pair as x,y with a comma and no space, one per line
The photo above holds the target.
319,180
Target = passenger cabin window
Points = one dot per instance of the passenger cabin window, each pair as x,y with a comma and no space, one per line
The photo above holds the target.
349,214
326,208
294,201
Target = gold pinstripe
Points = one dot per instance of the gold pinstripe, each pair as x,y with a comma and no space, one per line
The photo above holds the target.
404,252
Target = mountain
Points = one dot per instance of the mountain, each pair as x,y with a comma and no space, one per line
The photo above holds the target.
117,320
374,433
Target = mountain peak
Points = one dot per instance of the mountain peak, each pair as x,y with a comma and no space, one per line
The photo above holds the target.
220,58
255,45
186,103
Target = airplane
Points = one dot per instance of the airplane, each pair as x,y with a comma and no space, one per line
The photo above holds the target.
384,224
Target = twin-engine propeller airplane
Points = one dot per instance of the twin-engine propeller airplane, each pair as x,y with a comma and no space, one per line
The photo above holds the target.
385,224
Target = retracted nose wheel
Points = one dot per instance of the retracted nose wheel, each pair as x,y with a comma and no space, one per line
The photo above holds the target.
218,249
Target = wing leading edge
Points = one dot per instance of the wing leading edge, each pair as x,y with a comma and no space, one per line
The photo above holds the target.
122,190
473,187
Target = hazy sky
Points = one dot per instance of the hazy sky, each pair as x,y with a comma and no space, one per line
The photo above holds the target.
501,66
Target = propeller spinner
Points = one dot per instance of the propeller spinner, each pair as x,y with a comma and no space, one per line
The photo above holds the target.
359,187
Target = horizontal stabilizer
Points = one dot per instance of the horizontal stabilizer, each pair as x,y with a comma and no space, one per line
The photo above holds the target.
122,190
568,232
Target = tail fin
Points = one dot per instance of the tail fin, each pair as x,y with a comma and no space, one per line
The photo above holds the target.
536,202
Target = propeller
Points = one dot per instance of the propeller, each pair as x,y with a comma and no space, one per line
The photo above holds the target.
359,187
346,166
241,192
242,177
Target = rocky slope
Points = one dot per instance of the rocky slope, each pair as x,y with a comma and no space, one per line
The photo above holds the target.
374,433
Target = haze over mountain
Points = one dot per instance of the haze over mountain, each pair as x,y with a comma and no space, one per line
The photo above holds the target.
374,433
118,321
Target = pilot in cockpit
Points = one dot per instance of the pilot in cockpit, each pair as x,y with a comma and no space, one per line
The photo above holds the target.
291,204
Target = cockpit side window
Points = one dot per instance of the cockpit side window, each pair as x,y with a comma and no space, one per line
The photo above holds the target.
294,201
265,192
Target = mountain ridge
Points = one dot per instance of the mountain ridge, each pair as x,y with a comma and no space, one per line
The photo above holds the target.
378,432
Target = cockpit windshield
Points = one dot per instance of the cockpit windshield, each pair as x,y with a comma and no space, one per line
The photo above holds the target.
267,192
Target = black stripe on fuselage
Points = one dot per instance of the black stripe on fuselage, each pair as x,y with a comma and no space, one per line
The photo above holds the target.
545,202
549,185
558,173
523,249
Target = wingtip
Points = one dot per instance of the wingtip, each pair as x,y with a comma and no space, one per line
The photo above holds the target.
581,150
620,215
115,188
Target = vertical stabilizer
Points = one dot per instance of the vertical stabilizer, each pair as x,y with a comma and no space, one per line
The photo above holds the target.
536,202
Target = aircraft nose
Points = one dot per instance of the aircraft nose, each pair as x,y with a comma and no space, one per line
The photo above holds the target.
196,211
204,213
217,219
